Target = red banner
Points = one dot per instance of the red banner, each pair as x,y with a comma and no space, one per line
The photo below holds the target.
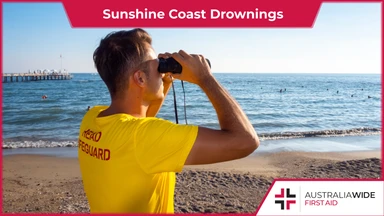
197,13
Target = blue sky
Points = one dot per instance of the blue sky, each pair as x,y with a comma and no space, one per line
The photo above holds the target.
346,38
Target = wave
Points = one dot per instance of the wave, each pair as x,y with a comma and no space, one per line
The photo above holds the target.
85,81
323,133
38,144
14,144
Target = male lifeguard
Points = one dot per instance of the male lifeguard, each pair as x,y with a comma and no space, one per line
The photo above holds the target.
128,157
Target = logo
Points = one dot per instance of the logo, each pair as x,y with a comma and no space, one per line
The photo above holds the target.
285,203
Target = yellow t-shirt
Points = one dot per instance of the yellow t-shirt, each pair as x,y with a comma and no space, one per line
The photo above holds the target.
128,164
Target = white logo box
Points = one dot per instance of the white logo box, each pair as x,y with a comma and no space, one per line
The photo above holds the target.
324,197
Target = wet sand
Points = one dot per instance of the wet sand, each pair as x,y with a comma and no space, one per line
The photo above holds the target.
47,184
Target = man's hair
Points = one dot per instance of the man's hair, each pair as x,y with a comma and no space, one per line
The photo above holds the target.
119,54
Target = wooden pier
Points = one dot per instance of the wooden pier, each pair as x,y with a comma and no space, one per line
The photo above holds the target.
23,77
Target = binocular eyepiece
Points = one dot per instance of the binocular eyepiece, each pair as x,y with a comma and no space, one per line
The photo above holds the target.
171,65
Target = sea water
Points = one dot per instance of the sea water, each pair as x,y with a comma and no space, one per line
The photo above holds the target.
279,106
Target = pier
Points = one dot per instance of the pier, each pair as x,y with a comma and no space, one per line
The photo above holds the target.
23,77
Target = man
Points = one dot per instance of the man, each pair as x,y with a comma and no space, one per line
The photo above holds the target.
128,157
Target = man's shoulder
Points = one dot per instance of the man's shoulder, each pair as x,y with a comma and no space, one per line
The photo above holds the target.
159,125
121,119
97,108
154,121
93,112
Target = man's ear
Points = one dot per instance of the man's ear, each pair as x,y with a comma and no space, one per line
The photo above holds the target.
139,78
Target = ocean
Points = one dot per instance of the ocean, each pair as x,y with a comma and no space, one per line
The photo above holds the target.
281,107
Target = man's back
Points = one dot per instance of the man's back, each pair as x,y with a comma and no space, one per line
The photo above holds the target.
128,165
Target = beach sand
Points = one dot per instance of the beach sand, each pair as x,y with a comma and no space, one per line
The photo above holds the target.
47,184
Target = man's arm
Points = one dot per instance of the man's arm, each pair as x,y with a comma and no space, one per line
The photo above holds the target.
237,137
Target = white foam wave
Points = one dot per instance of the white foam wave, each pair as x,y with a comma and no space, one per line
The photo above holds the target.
38,144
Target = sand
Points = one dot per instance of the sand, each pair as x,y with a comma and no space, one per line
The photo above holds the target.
47,184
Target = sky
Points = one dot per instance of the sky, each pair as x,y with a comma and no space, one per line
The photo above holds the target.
346,38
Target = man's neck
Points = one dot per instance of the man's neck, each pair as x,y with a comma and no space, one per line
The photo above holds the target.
128,105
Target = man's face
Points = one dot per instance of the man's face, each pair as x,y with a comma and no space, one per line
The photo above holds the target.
154,88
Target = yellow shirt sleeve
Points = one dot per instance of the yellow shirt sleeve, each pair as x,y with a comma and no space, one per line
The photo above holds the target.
163,146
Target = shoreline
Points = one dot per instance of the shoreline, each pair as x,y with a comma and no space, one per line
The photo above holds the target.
50,184
309,144
15,143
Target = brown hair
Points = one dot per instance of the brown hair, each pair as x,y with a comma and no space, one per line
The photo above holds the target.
119,54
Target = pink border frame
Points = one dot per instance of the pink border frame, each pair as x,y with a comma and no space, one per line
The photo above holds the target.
324,1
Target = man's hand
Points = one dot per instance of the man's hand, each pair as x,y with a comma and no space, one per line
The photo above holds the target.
168,78
195,68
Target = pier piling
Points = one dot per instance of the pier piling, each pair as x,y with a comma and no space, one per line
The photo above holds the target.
24,77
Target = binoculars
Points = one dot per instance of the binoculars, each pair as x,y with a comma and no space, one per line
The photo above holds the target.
171,65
